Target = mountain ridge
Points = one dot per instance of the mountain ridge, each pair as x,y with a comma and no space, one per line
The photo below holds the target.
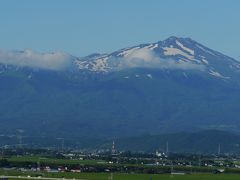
202,142
172,49
179,51
152,96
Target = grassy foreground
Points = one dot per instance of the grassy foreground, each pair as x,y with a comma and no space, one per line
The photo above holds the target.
120,176
107,176
101,176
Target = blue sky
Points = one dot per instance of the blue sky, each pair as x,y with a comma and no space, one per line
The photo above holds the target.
81,27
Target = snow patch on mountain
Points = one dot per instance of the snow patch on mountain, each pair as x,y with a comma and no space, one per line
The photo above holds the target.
174,51
205,50
185,48
217,74
185,75
150,76
128,51
154,46
204,60
100,65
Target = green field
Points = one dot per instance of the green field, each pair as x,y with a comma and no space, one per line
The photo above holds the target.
118,176
35,159
229,175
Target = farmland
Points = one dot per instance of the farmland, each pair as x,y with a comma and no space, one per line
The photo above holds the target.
122,176
122,166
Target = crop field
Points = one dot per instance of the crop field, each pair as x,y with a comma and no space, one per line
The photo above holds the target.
119,176
101,176
199,173
52,160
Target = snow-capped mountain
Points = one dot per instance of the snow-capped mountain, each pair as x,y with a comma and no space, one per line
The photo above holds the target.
168,86
172,53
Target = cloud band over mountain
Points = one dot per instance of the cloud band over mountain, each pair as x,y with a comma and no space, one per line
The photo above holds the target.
30,58
146,58
140,58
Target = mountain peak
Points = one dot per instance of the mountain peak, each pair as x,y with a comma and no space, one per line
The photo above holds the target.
172,53
172,40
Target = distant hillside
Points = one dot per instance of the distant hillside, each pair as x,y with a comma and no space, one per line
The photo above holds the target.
170,86
199,142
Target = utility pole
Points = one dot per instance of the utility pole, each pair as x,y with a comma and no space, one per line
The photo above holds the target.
199,161
219,149
167,148
61,143
19,136
113,148
20,141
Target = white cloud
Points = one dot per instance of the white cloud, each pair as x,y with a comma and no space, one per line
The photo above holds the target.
138,58
29,58
146,58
